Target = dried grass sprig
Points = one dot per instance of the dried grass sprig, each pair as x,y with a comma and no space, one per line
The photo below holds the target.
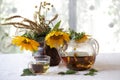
13,17
17,25
39,25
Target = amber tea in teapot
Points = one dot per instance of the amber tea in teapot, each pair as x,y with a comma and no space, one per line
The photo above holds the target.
79,63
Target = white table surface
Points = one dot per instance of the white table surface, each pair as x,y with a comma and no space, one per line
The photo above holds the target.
12,65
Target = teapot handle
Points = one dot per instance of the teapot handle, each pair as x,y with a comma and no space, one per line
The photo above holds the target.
95,45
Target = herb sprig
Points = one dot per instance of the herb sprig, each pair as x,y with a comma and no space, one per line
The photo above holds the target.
68,72
27,72
75,36
91,72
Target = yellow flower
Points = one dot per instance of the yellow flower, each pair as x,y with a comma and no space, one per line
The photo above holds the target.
56,38
25,43
83,39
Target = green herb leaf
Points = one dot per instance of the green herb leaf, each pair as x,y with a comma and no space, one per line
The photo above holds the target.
57,26
91,72
67,72
70,72
76,35
62,73
27,72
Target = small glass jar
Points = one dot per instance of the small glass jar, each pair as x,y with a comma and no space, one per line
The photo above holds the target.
40,64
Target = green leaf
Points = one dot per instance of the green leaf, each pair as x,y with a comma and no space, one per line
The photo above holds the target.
62,73
67,72
57,25
76,35
70,72
27,72
91,72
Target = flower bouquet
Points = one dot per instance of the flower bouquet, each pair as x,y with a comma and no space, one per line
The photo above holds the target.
38,31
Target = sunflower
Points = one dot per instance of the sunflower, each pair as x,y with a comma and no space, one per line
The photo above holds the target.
56,38
25,43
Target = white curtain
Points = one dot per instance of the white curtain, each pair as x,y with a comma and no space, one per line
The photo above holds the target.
98,18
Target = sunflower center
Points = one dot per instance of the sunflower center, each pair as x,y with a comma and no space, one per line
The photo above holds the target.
26,41
56,37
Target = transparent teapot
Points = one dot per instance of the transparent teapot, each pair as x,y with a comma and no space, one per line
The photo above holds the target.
80,56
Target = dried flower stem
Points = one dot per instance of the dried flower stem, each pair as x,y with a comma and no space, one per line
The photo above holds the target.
39,25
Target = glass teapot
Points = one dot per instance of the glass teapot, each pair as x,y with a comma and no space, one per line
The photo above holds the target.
80,56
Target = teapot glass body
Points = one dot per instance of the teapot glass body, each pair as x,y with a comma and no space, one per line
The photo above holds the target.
80,56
